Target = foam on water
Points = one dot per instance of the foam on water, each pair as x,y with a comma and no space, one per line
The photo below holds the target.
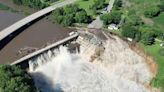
70,73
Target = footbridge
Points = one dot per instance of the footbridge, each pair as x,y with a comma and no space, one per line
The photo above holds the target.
11,29
24,61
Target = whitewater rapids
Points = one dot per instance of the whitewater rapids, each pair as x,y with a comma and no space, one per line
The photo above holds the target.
71,73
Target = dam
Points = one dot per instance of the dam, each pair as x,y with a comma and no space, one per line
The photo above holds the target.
49,50
95,64
86,60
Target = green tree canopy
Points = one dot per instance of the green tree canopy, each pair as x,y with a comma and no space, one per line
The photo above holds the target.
112,17
161,5
31,3
82,17
118,4
14,79
129,31
98,4
148,38
69,15
152,11
106,19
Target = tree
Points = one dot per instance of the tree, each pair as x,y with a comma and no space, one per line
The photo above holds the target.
161,5
82,17
69,15
135,20
152,12
138,36
98,4
31,3
58,15
116,17
68,20
148,38
129,31
106,18
113,17
118,4
71,9
14,79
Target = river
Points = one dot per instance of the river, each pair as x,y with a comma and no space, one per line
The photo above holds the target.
36,36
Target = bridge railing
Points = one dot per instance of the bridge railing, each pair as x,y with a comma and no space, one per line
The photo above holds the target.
11,29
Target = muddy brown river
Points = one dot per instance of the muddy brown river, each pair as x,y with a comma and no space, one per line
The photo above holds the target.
35,36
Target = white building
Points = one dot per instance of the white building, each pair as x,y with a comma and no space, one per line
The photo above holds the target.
113,27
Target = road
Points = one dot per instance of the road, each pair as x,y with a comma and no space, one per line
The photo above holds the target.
6,32
110,6
98,23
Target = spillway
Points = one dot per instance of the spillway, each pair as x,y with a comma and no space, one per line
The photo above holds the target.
111,70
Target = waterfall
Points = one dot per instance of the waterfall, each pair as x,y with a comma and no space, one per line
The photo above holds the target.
60,71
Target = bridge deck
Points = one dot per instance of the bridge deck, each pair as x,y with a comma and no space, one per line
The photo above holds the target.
6,32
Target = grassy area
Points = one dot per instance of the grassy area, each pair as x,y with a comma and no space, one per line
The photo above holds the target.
86,5
159,20
144,1
140,6
154,51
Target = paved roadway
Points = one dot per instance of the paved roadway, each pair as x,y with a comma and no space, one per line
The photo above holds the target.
6,32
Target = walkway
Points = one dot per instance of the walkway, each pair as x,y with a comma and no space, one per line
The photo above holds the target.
6,32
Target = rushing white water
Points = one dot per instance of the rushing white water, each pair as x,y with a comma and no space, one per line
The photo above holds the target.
71,73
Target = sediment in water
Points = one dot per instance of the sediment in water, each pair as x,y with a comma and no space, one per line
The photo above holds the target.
115,67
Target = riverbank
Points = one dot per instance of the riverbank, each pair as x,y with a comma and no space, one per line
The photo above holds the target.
37,37
21,9
6,8
34,37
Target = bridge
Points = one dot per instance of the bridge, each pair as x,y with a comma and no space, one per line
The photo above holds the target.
24,60
11,29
